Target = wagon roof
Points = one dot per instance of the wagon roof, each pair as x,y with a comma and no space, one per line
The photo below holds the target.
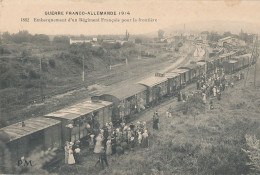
80,109
201,63
124,91
243,56
152,81
32,125
232,61
190,66
226,54
171,74
180,71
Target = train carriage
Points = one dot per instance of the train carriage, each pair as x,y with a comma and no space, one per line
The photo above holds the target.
183,75
244,60
35,133
156,88
230,66
127,100
202,65
173,82
79,116
193,71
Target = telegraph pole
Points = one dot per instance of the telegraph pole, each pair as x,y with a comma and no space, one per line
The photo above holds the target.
256,58
41,78
83,68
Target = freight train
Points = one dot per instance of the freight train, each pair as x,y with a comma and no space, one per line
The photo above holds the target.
112,104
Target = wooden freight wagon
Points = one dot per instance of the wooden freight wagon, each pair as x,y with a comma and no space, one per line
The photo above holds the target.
87,113
230,66
201,65
33,134
173,82
184,73
193,71
156,88
127,99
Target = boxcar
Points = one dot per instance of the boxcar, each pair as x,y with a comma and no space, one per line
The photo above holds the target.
184,73
202,65
193,71
93,113
156,88
33,134
230,66
173,82
127,99
244,60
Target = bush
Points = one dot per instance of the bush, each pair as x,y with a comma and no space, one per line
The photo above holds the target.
34,75
52,63
44,66
8,79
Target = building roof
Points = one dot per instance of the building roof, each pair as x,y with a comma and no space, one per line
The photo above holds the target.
32,125
78,110
152,81
124,91
226,38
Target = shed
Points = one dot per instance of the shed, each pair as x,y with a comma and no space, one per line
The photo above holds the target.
24,137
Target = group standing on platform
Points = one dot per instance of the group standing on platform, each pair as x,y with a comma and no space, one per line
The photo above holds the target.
110,140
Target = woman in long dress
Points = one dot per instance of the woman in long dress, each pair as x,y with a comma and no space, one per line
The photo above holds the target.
98,146
66,149
109,148
145,139
71,159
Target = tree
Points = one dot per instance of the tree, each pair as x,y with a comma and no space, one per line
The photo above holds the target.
22,36
192,107
138,40
160,34
253,153
226,34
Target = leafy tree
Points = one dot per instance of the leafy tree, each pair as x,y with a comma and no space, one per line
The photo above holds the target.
226,34
22,36
138,40
7,38
160,34
253,153
40,39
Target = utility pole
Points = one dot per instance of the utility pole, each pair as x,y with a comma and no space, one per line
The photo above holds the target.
83,68
41,88
256,58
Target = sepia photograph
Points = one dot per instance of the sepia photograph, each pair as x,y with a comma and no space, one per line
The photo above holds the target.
140,87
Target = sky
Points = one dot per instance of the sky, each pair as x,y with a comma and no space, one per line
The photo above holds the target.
167,13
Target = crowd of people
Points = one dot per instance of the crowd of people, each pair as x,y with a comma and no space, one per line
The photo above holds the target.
110,140
212,85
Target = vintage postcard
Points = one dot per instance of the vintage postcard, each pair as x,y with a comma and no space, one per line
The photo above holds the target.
129,87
